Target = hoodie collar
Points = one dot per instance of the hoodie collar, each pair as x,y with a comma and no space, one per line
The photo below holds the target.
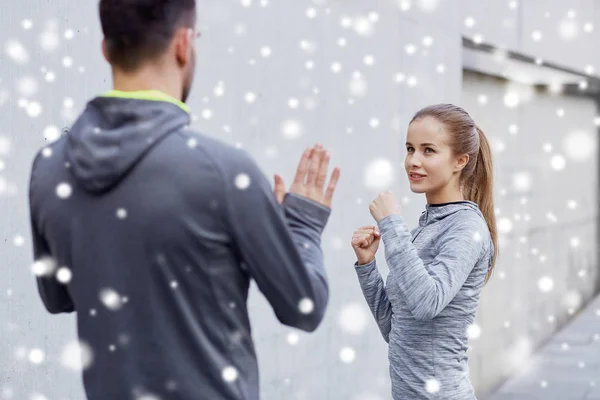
155,95
436,212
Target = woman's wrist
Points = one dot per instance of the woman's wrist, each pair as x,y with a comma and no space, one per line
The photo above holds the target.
361,262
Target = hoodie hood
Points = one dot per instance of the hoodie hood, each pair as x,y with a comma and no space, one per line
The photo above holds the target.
115,131
436,212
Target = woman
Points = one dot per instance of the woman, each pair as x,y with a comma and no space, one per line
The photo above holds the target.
437,270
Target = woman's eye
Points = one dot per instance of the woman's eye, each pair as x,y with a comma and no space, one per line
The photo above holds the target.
429,150
409,149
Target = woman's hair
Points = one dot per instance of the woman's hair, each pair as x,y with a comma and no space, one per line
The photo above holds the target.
477,176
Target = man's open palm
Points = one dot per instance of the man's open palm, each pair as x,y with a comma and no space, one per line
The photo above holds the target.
311,176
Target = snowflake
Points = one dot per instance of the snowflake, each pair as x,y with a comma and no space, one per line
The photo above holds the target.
242,181
306,306
111,299
229,374
64,190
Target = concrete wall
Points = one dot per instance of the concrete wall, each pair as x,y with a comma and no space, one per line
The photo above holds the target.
547,218
565,32
391,60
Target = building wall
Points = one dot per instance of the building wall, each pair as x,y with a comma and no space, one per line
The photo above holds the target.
547,220
391,60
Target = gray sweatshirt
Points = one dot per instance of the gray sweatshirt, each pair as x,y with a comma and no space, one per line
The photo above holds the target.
163,229
436,272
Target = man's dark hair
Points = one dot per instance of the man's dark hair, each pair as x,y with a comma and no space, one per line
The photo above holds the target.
136,31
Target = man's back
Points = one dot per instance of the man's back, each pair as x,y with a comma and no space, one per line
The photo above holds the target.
162,229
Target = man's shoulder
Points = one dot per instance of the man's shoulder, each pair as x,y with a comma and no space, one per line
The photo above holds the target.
49,156
226,156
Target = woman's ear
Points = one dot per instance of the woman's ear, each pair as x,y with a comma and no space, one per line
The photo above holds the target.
461,162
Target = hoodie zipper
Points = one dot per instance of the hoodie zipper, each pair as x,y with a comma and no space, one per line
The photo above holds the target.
423,227
417,235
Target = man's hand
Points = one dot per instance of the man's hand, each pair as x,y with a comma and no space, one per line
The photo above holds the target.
310,178
385,204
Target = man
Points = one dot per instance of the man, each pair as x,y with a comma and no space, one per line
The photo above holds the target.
152,232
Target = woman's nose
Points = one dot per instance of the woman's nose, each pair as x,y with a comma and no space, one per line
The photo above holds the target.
415,161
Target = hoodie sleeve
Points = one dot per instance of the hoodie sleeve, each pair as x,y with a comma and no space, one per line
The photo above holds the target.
279,245
371,284
54,294
427,290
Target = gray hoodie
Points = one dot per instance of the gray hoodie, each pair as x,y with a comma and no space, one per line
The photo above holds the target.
429,300
162,229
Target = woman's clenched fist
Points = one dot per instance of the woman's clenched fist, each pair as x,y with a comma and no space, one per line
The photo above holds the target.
365,242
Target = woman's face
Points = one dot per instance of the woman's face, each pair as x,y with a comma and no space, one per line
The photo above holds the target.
429,163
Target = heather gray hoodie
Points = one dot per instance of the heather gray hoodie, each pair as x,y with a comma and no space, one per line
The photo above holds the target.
436,272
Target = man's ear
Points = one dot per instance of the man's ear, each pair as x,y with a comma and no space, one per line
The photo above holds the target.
104,51
183,40
461,162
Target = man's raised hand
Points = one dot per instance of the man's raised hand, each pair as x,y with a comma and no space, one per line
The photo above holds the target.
311,176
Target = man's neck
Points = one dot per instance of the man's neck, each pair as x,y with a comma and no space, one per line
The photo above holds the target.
147,80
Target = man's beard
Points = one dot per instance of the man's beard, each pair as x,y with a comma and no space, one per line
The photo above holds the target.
187,84
185,93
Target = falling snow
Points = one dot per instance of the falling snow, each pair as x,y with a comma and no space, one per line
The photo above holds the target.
291,129
44,266
64,190
473,331
242,181
16,51
19,240
293,338
580,145
36,356
76,356
51,133
347,355
546,284
432,386
306,306
111,299
229,374
349,59
64,275
379,174
354,318
558,162
121,213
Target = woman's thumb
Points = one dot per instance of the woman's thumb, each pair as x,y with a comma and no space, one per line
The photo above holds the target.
376,240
